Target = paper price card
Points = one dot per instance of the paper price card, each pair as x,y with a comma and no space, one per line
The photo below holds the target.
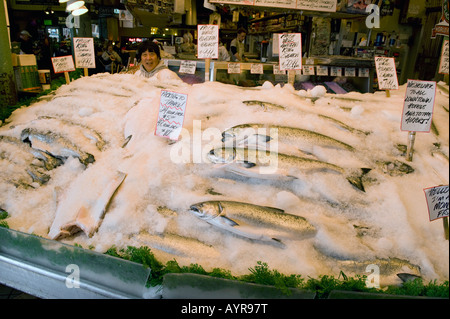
256,68
363,72
322,70
84,52
350,72
63,64
234,68
336,71
208,41
386,73
418,106
290,50
443,66
277,70
308,70
188,67
172,107
437,201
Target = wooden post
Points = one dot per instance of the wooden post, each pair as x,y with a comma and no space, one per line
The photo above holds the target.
207,66
66,74
86,72
388,93
445,221
291,76
410,148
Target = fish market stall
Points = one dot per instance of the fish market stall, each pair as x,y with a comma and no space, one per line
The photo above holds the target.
311,186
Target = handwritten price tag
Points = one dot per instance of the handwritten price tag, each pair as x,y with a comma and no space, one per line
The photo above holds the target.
172,107
208,41
386,73
63,64
256,68
290,49
443,65
234,68
84,52
437,201
418,106
188,67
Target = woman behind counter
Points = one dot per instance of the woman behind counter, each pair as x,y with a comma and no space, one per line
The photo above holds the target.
149,55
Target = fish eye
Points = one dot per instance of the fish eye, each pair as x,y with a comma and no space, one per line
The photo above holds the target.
212,152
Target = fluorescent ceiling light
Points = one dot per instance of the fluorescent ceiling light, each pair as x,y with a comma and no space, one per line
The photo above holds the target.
80,11
74,4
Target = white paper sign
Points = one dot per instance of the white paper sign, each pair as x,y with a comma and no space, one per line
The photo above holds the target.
208,41
187,66
84,52
256,68
290,49
418,106
336,71
308,70
277,70
443,66
317,5
172,107
363,72
234,68
437,201
322,70
63,64
350,72
386,73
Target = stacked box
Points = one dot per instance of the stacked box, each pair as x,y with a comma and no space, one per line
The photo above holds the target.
26,72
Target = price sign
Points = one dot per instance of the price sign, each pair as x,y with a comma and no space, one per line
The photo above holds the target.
188,67
84,52
208,41
437,201
234,68
363,72
172,107
386,73
443,66
418,106
63,64
290,50
322,70
256,68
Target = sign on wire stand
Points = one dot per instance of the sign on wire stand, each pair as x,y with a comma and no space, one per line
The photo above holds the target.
172,108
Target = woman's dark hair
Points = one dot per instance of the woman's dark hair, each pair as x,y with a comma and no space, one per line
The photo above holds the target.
147,46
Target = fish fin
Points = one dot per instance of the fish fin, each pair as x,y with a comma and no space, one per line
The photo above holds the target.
228,221
356,181
128,138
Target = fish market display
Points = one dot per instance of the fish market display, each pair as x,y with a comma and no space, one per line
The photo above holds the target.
309,186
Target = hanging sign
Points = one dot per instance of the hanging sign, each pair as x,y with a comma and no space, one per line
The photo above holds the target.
256,68
63,64
437,201
208,41
290,50
291,4
84,52
172,107
363,72
336,71
443,65
187,66
317,5
308,70
234,68
386,73
322,70
350,72
418,106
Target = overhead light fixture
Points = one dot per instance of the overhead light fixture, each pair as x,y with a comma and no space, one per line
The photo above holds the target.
81,10
74,4
63,1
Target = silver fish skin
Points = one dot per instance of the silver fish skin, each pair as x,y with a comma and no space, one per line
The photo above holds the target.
55,144
387,267
231,215
49,161
284,134
264,105
88,132
273,162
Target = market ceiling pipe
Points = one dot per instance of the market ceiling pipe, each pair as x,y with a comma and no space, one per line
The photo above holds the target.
191,12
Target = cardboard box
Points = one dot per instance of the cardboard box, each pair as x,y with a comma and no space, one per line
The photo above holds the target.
26,59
